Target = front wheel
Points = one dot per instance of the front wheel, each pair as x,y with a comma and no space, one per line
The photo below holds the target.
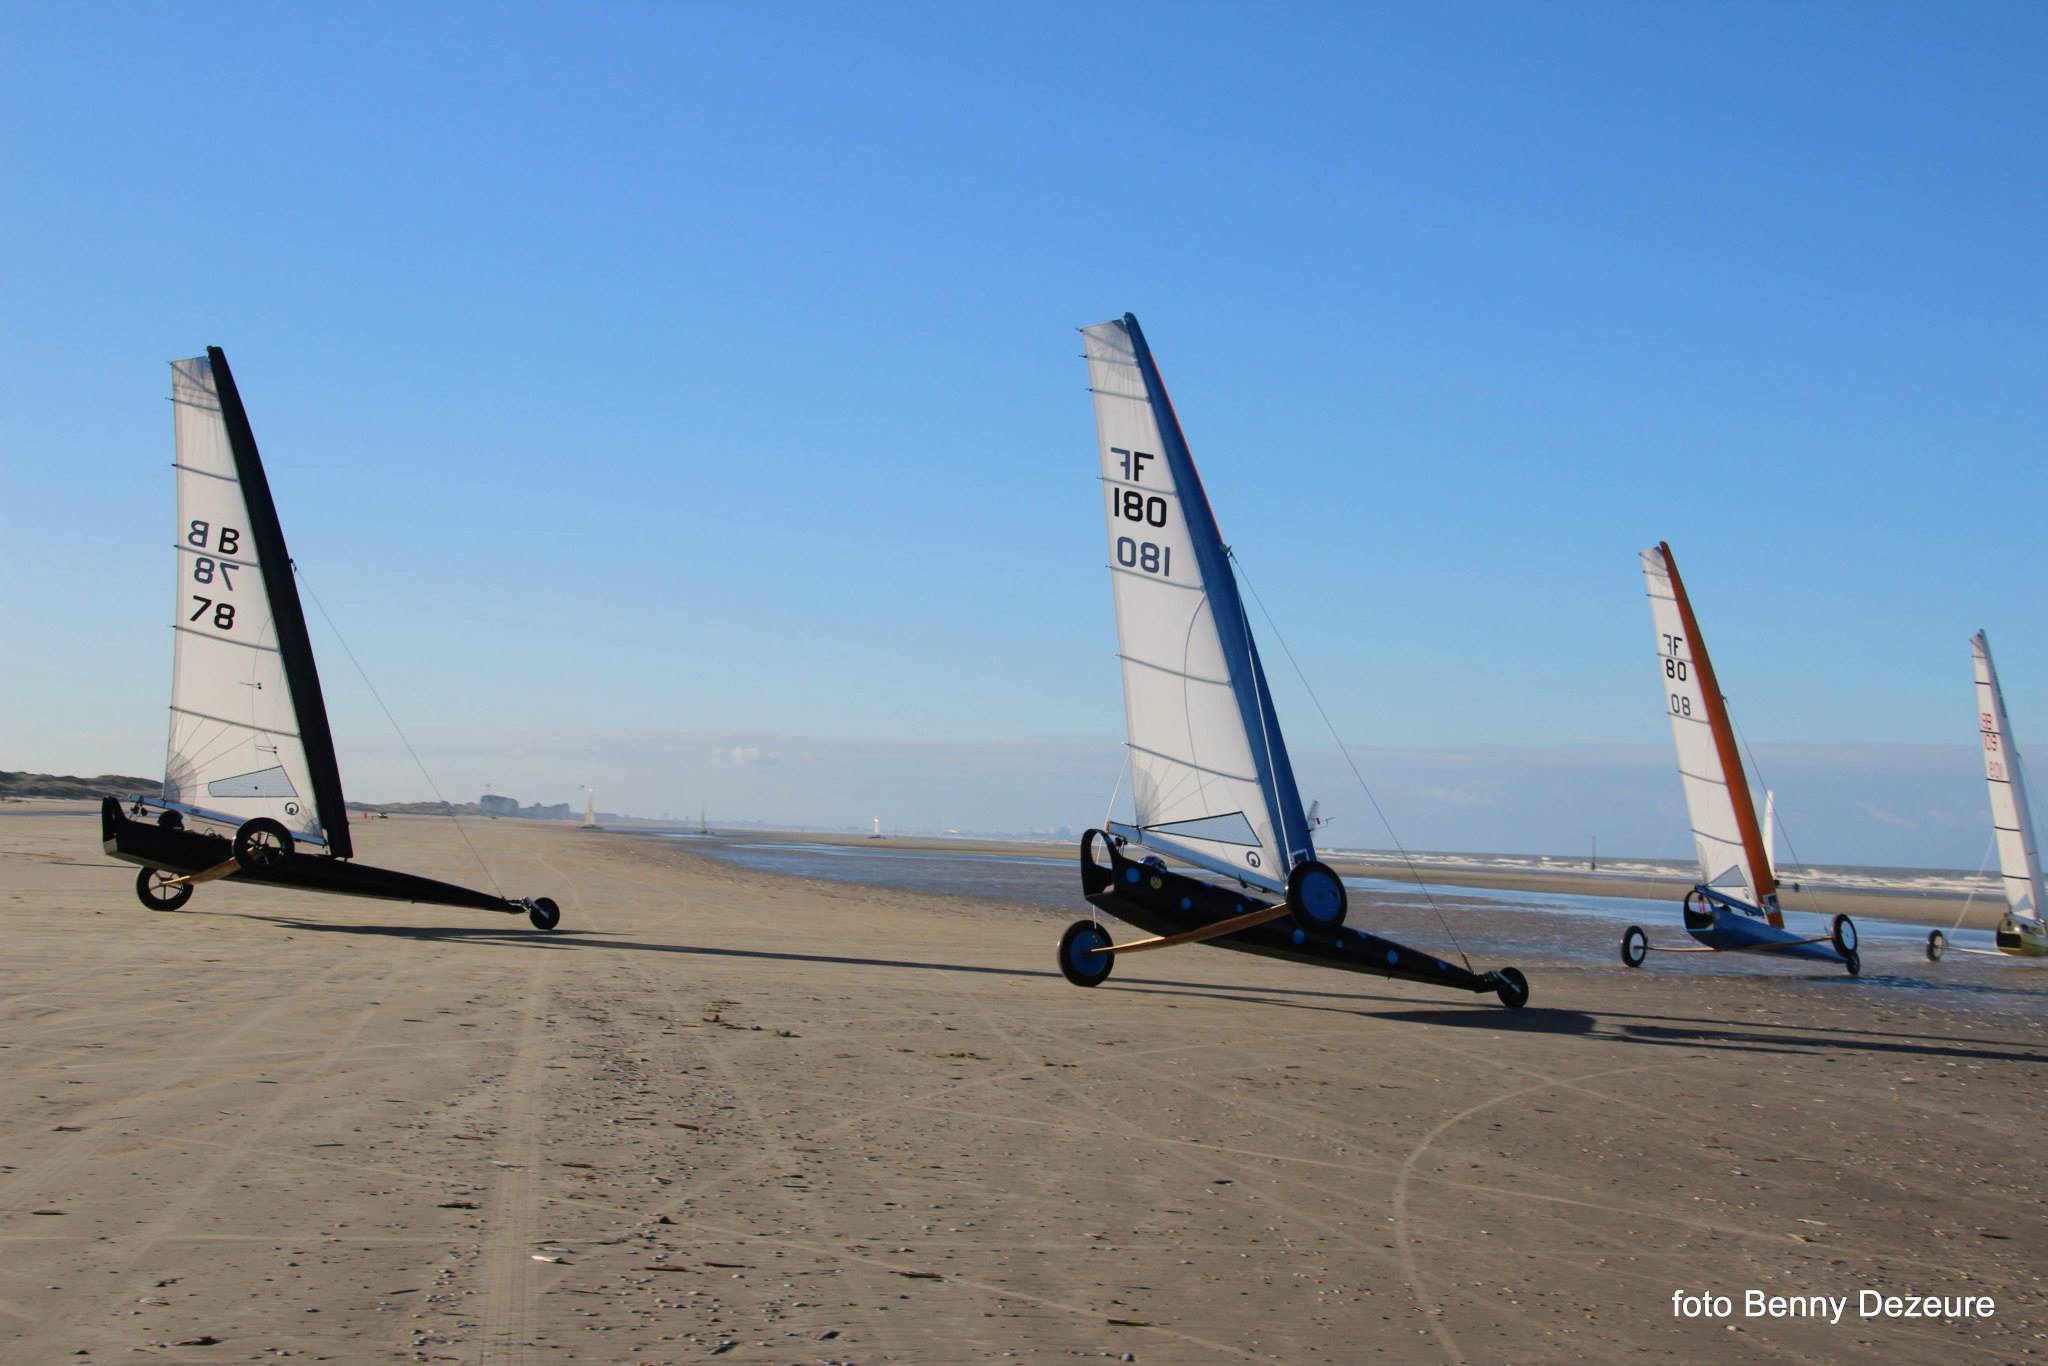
544,913
1635,946
1512,988
1078,960
159,889
1937,945
262,843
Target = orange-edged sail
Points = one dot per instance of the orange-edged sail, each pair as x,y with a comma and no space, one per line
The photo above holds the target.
1717,797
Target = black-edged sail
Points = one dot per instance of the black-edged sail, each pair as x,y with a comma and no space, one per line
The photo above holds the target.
1211,785
2019,859
1210,779
250,747
249,734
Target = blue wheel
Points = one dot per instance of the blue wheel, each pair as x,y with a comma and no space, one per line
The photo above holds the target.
1078,961
1315,897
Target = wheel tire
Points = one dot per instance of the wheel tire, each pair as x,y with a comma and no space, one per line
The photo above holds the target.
1316,897
261,843
544,913
1635,946
1853,961
1513,988
1937,945
157,898
1842,934
1080,966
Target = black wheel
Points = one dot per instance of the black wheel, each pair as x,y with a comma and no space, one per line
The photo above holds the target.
544,913
172,820
262,842
1937,945
152,891
1853,961
1842,934
1512,988
1635,946
1082,966
1315,897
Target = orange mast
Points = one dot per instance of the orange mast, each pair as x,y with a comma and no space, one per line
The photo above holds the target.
1724,744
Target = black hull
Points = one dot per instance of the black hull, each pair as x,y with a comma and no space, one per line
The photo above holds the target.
194,851
1164,903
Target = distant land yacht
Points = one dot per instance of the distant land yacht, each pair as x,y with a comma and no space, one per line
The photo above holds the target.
2021,932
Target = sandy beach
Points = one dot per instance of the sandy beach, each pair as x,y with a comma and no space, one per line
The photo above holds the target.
777,1120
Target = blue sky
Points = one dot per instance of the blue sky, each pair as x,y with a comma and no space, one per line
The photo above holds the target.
707,376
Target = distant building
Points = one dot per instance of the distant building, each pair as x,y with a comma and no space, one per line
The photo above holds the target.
493,805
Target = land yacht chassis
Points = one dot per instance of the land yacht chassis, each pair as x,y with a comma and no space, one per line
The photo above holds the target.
1307,927
176,858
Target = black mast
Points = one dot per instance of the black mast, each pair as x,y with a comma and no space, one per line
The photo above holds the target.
294,646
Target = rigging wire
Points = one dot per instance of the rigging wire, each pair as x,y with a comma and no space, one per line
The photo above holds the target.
1758,768
397,730
1413,872
1991,845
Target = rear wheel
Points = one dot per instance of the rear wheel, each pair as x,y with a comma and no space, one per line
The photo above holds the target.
1635,946
1853,961
544,913
1842,934
1937,945
1078,960
1315,897
153,889
1512,988
261,843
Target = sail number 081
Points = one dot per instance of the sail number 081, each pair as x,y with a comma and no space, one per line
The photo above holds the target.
1145,556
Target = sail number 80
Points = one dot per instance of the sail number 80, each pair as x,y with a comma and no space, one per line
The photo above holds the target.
1145,556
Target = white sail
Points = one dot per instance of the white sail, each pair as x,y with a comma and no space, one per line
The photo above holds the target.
1709,800
235,752
2019,857
1203,779
1771,831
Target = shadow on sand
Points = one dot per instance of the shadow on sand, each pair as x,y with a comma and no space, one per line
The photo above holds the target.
1658,1031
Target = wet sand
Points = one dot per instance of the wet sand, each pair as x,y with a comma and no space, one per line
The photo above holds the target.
822,1122
1937,909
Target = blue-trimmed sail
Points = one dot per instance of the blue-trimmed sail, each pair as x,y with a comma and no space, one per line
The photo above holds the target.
1210,778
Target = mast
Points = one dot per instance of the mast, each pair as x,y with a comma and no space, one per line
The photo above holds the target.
295,647
1233,628
1762,878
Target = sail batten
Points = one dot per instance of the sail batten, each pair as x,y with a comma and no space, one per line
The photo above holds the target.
1206,751
248,732
2012,820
